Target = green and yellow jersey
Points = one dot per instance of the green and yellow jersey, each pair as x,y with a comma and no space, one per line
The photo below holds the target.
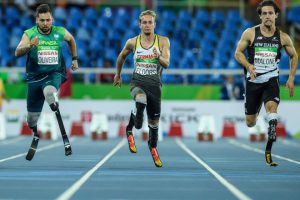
47,57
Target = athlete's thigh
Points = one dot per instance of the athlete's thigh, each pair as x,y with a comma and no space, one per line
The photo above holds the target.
35,97
271,91
153,103
54,79
136,89
253,98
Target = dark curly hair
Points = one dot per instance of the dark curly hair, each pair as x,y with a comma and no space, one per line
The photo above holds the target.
267,3
43,8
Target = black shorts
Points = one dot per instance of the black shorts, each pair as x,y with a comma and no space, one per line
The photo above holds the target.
257,93
153,94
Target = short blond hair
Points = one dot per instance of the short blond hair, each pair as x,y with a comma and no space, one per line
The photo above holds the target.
147,12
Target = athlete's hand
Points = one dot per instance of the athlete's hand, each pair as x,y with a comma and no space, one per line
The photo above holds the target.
74,65
34,41
156,55
117,80
290,86
252,72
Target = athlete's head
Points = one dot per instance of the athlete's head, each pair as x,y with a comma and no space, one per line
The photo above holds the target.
147,22
268,12
44,18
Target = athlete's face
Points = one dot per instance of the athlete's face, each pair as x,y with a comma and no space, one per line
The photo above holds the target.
268,16
147,24
44,22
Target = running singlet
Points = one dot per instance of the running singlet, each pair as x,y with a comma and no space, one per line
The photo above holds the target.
265,55
47,56
147,70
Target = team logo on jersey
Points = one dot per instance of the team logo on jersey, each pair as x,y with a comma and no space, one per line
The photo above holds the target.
259,37
56,36
274,39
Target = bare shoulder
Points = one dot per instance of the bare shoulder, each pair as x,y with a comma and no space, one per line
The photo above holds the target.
285,39
131,42
249,33
163,40
284,35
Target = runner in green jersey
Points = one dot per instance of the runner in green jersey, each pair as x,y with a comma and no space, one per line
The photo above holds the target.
45,66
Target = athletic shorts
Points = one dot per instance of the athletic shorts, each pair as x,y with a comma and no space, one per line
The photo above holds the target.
153,94
35,95
258,93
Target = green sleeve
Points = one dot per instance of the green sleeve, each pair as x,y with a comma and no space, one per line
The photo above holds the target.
29,32
60,30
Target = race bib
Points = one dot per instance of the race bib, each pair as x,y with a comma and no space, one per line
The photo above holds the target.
47,56
265,57
146,69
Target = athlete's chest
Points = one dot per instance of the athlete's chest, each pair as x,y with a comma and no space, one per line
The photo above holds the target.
50,40
271,42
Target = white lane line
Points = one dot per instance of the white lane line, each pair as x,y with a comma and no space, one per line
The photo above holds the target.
250,148
51,146
13,140
236,192
290,143
76,186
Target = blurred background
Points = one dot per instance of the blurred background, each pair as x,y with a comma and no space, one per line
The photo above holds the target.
203,36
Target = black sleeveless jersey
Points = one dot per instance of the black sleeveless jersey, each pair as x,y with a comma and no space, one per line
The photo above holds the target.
264,54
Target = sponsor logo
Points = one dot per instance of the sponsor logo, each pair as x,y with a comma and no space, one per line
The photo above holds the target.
48,43
259,37
12,115
48,57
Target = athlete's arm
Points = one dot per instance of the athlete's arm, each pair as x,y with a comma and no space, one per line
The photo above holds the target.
25,45
72,48
164,58
290,49
129,46
243,43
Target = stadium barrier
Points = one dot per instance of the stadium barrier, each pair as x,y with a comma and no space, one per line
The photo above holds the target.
187,113
99,126
2,127
259,131
206,128
47,126
77,129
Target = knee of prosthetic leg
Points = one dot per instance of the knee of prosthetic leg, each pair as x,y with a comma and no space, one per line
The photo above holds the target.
54,106
140,103
140,107
32,120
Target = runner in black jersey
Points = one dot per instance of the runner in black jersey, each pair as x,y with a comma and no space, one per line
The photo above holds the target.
263,43
151,55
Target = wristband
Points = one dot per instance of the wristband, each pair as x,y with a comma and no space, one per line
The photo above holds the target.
74,58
